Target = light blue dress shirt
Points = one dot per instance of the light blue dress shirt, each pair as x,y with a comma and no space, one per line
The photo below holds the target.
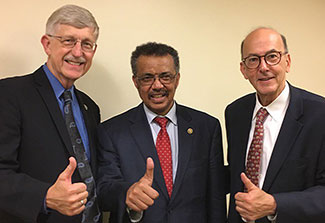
58,90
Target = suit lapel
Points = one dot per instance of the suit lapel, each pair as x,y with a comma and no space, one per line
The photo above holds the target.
289,131
241,125
185,146
46,92
141,132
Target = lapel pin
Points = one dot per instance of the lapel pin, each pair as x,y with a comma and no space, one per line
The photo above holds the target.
86,107
190,131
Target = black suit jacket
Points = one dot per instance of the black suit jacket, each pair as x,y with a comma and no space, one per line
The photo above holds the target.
296,171
35,146
198,192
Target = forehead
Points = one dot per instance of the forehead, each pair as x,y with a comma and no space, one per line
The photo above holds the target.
261,41
81,33
155,64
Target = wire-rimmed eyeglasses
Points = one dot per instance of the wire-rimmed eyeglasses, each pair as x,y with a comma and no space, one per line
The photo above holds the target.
149,79
70,42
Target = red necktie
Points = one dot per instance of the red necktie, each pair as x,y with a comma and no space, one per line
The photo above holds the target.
256,148
164,153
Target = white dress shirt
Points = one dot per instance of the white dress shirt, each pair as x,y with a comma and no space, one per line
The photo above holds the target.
171,130
272,125
173,136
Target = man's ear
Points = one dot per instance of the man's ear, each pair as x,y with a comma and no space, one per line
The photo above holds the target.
288,63
243,69
46,44
177,79
135,82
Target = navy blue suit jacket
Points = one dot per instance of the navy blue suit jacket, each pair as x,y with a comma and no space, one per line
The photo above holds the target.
296,171
198,192
35,146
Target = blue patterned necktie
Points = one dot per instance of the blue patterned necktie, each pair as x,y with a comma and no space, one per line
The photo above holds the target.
91,213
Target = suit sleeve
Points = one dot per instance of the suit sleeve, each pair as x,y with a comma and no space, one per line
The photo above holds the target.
217,182
20,194
307,205
111,186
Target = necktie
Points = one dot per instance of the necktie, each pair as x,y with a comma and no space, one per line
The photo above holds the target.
91,212
164,153
256,148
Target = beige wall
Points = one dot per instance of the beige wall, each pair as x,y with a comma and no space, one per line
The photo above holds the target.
206,33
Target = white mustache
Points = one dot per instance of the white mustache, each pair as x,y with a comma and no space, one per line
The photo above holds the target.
75,59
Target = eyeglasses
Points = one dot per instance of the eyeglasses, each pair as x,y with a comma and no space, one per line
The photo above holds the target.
70,42
271,58
149,79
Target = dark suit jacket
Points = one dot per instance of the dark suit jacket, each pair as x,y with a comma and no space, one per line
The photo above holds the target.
35,146
296,171
198,192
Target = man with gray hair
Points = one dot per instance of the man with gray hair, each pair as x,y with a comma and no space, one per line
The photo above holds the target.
48,128
276,138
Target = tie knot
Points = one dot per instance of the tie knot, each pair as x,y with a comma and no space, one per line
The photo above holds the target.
261,114
66,95
162,121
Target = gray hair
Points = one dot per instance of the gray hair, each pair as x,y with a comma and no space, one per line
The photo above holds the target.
72,15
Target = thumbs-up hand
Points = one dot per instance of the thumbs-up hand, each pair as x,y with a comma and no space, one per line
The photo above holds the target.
66,197
254,203
141,195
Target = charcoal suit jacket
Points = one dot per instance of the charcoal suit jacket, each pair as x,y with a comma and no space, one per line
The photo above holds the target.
35,146
198,192
296,172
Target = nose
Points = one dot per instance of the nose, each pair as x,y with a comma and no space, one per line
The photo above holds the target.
76,50
263,65
157,84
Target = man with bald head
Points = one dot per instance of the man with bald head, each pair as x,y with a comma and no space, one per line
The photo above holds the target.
276,140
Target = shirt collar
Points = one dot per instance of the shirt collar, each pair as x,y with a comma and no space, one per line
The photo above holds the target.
171,115
55,83
277,108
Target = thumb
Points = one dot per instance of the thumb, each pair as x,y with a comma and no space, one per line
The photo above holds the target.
149,170
67,173
248,184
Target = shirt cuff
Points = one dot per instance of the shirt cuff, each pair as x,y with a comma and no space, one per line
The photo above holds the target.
133,215
244,220
45,210
272,218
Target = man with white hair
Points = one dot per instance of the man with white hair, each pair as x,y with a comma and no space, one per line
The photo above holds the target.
48,127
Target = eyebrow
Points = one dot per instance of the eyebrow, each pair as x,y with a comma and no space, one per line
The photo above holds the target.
267,52
72,37
166,72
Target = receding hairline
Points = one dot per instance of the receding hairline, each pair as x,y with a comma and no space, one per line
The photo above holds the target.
283,38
